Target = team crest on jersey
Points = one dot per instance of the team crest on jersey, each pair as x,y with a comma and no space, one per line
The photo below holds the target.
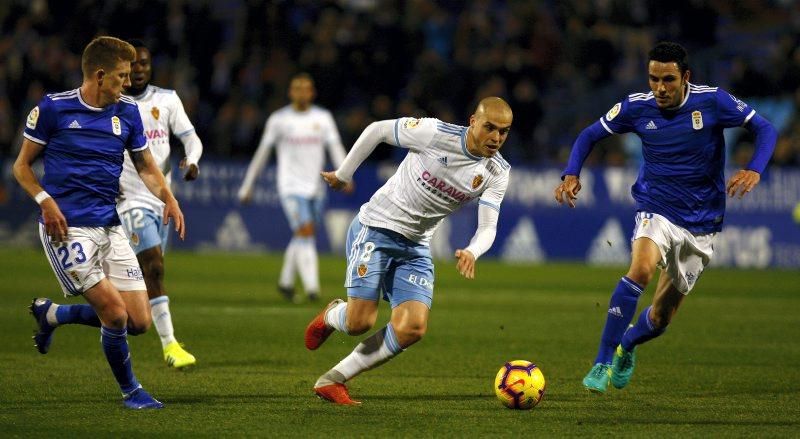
116,127
155,113
476,181
33,117
697,120
134,238
362,270
410,123
645,222
614,111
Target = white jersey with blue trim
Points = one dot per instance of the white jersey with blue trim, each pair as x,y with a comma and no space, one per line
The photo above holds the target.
162,114
437,177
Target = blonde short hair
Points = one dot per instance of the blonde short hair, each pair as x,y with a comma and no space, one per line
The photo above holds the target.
104,53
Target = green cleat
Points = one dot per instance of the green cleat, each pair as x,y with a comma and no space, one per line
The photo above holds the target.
597,379
622,367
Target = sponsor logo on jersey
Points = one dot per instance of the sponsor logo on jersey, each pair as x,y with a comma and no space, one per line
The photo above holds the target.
74,124
651,126
116,127
362,270
476,181
697,120
155,113
442,160
614,111
33,117
739,103
155,134
440,188
410,123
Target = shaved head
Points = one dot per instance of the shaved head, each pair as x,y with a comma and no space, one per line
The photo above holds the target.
489,127
494,108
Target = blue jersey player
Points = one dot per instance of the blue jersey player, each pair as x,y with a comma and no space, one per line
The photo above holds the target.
81,135
679,193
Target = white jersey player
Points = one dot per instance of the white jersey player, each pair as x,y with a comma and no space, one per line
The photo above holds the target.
300,132
447,167
140,212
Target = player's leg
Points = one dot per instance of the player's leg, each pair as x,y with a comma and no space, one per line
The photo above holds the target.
291,208
646,254
307,259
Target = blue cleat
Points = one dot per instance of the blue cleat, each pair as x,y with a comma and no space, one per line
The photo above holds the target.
622,367
140,399
43,336
597,379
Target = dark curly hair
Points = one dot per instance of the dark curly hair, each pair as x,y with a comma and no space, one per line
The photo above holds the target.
667,51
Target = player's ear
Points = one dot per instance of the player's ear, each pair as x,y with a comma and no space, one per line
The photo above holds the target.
100,74
686,75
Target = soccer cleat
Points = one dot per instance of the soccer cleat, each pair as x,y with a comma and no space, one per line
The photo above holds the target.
140,399
286,292
44,335
597,379
177,357
622,367
318,331
335,393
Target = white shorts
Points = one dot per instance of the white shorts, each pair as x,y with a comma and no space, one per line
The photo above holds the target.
91,254
683,254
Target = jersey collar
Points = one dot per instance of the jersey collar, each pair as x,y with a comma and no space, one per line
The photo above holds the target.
464,146
80,99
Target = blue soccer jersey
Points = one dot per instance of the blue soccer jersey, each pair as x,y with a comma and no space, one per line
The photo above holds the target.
83,153
681,176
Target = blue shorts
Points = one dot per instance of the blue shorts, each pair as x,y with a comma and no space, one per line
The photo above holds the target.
145,229
301,210
382,262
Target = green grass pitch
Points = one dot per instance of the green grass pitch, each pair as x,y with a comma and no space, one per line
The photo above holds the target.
728,366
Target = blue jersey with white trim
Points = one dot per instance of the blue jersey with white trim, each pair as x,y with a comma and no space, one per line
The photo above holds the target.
682,174
83,153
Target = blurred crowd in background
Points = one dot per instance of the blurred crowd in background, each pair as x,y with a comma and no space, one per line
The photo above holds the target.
560,64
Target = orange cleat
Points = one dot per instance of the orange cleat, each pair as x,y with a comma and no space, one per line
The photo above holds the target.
318,331
335,393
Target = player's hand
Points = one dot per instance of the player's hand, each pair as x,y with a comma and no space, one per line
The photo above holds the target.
466,263
743,182
568,190
172,210
332,180
192,171
54,222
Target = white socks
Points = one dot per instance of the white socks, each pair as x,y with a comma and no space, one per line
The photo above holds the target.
335,317
287,270
375,350
162,319
307,263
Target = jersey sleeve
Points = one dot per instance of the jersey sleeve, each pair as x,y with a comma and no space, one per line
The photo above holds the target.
179,123
618,119
495,191
136,140
41,122
733,112
333,141
414,133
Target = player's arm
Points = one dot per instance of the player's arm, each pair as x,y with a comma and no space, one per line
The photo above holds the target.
570,185
259,160
480,242
155,182
336,149
766,136
184,130
372,136
54,222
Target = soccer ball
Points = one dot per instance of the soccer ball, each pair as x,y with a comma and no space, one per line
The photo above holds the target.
519,384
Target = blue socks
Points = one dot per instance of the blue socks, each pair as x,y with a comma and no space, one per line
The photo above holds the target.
621,309
79,314
641,332
115,346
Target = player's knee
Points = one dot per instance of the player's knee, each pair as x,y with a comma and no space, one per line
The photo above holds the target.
641,275
153,270
305,230
410,333
114,316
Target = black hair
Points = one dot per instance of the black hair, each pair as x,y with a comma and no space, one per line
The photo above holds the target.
136,43
667,51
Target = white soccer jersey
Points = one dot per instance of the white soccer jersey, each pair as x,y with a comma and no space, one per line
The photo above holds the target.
300,138
162,113
437,177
